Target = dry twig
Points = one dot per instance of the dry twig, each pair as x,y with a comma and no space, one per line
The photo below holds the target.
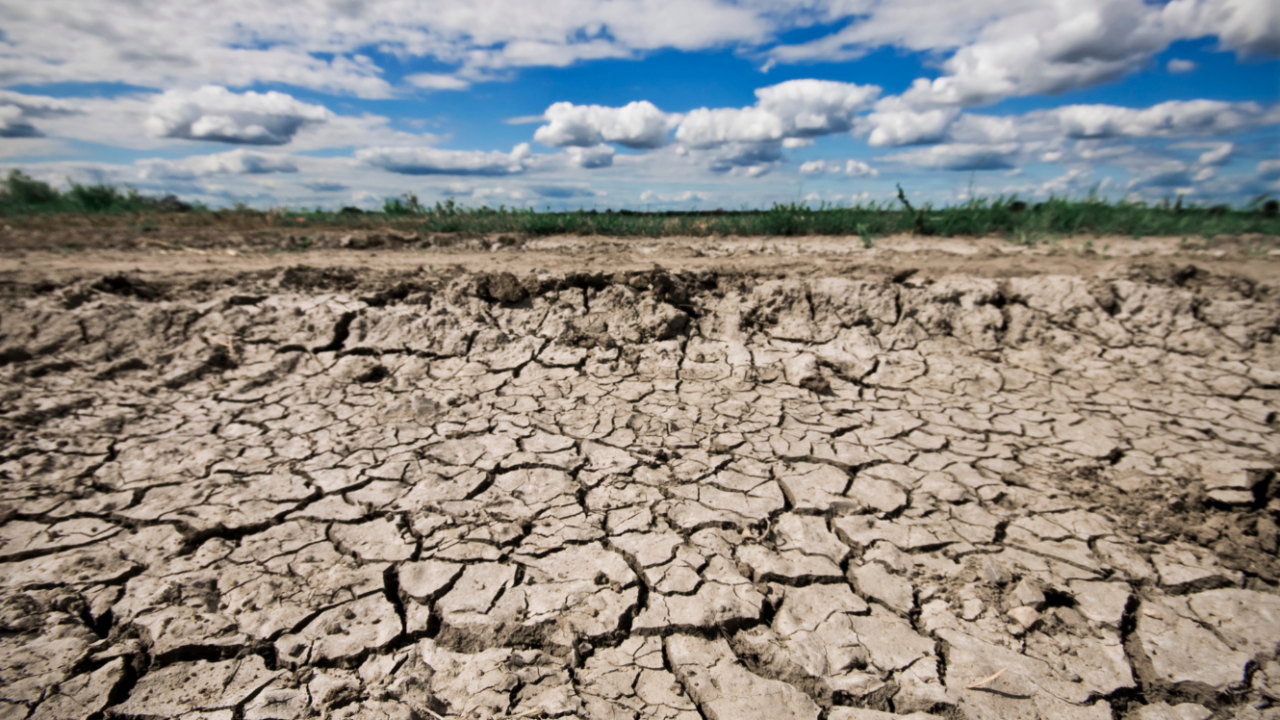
984,681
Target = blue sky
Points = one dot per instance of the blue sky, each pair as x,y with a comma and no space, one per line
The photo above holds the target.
645,103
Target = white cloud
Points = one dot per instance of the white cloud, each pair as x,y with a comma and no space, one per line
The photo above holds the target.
793,109
319,44
90,173
435,81
1170,119
856,168
216,114
598,156
705,127
530,53
486,193
998,47
1169,175
1178,66
121,121
431,161
894,124
794,143
635,125
345,131
1006,48
17,110
852,168
1216,153
1268,170
959,156
810,108
1246,26
817,167
909,127
236,162
750,158
366,199
14,123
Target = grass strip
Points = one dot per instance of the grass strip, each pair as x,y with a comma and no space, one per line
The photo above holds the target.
32,203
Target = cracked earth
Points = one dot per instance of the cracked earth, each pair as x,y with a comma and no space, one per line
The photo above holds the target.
640,495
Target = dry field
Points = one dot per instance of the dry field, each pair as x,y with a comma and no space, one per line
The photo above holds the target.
363,476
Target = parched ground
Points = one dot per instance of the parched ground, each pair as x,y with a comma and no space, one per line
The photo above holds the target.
645,480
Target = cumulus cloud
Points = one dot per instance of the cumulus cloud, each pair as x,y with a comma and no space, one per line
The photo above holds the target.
793,109
17,110
1247,26
236,162
818,167
960,156
1178,66
216,114
810,108
431,161
908,127
597,156
637,124
706,127
856,168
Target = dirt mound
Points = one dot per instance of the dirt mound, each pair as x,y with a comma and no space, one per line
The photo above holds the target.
645,493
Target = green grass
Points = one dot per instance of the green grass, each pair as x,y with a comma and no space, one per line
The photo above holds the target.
1018,221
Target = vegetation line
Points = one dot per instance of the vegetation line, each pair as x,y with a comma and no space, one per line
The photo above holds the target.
31,203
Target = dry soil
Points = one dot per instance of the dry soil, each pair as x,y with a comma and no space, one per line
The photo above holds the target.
373,475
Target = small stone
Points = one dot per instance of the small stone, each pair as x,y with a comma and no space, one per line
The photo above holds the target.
1025,616
1026,593
971,609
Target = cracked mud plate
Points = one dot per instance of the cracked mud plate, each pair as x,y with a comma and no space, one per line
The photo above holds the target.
649,495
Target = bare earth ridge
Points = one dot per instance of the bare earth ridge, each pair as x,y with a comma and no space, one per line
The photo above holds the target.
582,478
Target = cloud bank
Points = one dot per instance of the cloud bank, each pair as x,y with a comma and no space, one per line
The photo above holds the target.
431,161
235,162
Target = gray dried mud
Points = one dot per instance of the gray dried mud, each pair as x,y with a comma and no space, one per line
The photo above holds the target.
649,495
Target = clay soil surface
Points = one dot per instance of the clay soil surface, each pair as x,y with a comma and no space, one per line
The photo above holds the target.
285,475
